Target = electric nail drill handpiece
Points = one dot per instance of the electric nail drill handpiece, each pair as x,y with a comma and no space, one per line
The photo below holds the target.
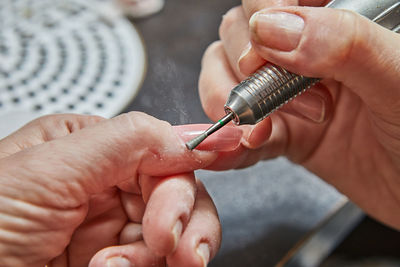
271,86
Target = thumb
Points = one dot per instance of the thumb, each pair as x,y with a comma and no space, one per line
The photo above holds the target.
66,171
334,44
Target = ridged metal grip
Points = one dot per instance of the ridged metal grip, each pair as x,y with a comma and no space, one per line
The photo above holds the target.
264,92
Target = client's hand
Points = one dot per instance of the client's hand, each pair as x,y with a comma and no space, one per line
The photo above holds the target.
72,186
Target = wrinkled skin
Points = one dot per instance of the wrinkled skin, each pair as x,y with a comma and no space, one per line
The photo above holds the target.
347,128
79,189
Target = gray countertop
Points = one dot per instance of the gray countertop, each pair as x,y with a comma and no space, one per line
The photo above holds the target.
265,209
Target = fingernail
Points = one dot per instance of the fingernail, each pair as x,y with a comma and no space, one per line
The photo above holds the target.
258,134
118,262
176,232
204,252
311,106
226,139
249,61
246,56
249,135
277,30
245,52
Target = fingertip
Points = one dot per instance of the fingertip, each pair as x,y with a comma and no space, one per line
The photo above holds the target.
135,254
201,239
216,80
132,232
226,139
198,255
249,61
118,262
134,206
172,156
162,239
164,220
258,134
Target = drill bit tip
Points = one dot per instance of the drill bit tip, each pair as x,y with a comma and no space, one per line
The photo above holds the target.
192,144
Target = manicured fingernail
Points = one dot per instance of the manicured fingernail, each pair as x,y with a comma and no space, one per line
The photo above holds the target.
118,262
176,232
277,30
204,252
311,106
225,139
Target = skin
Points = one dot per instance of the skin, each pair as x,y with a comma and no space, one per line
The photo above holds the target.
79,190
353,139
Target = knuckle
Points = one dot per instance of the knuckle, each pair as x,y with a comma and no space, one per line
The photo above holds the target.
301,62
355,38
229,20
133,120
212,49
57,124
205,99
209,88
350,40
209,102
252,7
140,123
68,123
49,118
207,91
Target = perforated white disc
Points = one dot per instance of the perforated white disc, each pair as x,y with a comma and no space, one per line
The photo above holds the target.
65,56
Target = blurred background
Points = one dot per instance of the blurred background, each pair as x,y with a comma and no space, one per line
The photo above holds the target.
103,57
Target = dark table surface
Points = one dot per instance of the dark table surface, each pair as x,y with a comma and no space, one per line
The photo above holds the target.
264,209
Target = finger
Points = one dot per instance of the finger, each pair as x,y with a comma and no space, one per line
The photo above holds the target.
135,254
252,6
105,216
354,57
134,206
164,220
257,135
45,129
291,136
216,81
100,157
249,60
130,185
274,144
315,105
202,236
226,140
234,34
131,233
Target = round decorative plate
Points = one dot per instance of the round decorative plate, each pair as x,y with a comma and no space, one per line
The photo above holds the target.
66,56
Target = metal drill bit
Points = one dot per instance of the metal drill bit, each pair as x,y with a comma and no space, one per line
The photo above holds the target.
192,144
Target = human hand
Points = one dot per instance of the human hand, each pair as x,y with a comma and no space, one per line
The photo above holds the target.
73,185
345,129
